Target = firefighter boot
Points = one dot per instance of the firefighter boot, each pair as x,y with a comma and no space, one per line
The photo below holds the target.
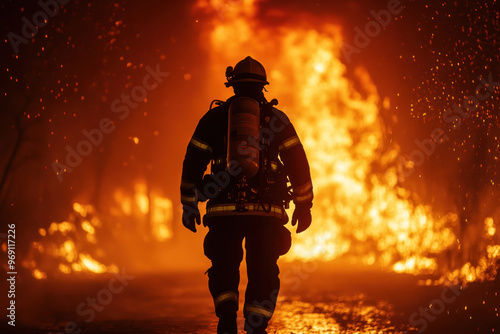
255,324
227,318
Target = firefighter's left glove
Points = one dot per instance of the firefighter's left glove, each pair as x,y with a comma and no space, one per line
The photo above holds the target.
302,214
190,216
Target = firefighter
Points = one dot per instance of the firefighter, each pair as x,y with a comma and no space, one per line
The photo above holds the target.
255,154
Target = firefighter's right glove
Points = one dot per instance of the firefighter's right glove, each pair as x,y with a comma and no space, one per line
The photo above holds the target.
302,214
190,216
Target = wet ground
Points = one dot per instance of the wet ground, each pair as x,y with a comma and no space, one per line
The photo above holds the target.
313,300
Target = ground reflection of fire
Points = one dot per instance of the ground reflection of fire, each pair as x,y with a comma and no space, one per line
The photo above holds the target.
360,212
352,313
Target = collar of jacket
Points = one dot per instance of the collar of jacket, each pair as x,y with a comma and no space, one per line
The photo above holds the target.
260,99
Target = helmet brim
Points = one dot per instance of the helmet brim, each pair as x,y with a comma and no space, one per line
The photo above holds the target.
230,83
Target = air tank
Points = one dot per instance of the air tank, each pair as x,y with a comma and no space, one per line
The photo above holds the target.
243,137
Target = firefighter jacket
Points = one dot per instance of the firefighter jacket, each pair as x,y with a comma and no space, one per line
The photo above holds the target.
282,158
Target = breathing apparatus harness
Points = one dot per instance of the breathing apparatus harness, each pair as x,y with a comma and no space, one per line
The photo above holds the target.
265,180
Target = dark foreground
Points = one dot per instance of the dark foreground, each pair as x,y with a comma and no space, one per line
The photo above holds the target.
313,300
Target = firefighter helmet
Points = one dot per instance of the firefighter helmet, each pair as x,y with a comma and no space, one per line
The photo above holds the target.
247,70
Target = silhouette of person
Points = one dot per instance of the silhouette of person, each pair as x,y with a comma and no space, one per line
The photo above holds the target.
248,192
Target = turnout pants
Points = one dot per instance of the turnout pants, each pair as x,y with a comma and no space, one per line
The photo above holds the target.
265,241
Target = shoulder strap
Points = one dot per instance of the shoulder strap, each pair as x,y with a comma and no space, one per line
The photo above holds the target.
217,102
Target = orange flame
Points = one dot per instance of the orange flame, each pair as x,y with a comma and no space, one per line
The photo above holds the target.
150,208
79,228
68,242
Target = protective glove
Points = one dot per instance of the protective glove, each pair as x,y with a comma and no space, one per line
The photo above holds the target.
190,216
302,214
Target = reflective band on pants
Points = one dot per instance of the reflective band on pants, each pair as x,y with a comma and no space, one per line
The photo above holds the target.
225,296
249,308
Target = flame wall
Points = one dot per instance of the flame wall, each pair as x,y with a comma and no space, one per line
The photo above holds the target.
361,208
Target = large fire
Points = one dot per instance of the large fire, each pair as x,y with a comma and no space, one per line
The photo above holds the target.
361,211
